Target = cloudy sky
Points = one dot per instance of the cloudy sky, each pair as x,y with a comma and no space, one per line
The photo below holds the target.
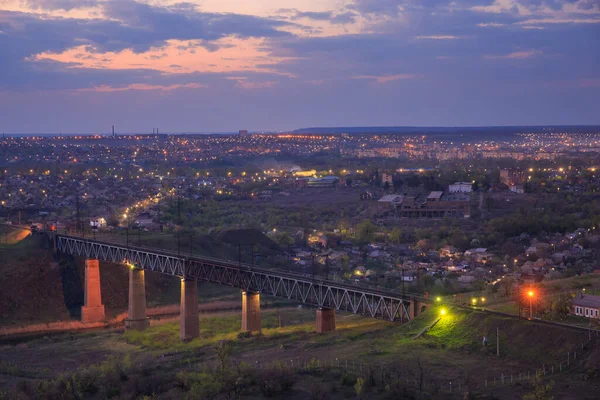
223,65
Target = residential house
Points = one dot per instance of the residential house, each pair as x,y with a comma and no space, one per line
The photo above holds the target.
471,252
586,305
449,251
389,201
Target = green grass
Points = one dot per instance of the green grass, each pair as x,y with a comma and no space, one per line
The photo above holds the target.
215,329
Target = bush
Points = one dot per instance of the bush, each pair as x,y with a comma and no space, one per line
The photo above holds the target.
86,383
348,379
244,335
317,392
359,387
276,382
199,385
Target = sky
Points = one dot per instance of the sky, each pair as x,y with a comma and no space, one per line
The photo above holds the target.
76,66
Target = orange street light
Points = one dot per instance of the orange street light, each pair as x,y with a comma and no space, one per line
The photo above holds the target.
530,294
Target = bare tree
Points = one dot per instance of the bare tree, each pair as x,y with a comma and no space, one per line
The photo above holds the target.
418,373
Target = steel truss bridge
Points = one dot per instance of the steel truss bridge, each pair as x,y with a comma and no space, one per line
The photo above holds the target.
313,291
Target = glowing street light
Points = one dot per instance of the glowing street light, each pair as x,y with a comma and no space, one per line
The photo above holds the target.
443,311
530,294
474,301
439,299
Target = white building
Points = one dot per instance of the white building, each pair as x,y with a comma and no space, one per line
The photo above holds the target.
99,222
460,187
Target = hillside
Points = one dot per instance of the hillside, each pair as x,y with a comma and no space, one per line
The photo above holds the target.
36,287
385,355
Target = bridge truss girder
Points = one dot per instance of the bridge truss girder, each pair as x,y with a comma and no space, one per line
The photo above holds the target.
315,292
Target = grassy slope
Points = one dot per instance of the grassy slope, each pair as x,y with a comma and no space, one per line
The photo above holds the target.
450,351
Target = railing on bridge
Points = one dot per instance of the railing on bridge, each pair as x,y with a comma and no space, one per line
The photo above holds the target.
317,292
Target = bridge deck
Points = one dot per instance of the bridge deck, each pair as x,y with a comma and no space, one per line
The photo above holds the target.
305,289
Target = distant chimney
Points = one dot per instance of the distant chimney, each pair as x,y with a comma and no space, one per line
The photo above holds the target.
113,130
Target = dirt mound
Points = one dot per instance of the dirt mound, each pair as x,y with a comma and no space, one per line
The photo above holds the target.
36,286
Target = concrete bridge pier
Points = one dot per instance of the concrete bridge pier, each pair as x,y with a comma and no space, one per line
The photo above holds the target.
250,311
416,308
325,320
136,312
93,309
189,323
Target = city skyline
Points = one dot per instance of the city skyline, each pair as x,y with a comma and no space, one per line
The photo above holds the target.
81,66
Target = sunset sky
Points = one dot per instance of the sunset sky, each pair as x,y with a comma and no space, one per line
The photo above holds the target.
222,65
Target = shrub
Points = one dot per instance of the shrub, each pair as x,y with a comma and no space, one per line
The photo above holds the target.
244,335
86,382
359,387
317,392
276,381
199,385
347,379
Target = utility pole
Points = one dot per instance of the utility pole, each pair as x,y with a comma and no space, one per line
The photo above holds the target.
179,224
498,341
77,215
403,289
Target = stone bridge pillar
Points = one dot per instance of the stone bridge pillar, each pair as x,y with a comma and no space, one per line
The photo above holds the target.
136,316
417,307
93,309
325,320
189,323
250,311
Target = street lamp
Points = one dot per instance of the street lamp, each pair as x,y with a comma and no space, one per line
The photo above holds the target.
443,311
530,294
474,302
439,299
127,229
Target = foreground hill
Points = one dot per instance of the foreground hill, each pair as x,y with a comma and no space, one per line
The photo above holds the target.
36,286
374,359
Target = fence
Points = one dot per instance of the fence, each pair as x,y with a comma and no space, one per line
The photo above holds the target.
422,381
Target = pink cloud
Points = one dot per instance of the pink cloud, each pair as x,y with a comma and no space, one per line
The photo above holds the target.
141,86
517,55
244,83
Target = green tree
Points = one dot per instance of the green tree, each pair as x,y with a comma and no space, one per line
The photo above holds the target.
366,231
540,390
203,386
359,387
395,236
283,239
345,262
560,307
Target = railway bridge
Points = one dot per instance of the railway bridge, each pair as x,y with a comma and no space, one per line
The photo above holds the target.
328,296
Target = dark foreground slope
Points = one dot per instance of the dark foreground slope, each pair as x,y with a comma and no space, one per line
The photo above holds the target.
374,359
